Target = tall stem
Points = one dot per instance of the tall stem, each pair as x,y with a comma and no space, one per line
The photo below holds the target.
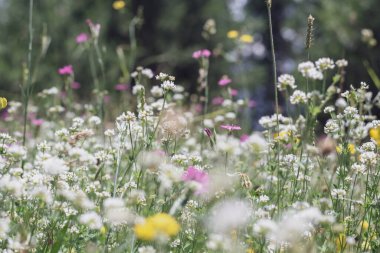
27,88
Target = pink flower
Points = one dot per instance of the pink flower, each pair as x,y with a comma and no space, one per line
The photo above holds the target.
234,92
121,87
217,100
75,85
201,53
244,138
206,53
197,54
230,127
66,70
224,81
198,108
195,175
81,38
37,122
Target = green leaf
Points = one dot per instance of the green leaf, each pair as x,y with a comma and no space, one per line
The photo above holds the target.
60,238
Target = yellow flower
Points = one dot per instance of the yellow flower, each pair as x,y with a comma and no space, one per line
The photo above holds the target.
103,230
246,38
145,231
3,103
250,250
158,224
364,225
232,34
351,148
374,133
118,5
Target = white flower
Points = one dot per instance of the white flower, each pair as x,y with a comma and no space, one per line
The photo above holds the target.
157,91
229,214
304,67
43,193
4,228
94,120
341,103
137,89
324,64
329,109
350,111
298,97
91,219
369,158
168,85
146,249
54,166
331,127
285,81
341,63
148,73
338,193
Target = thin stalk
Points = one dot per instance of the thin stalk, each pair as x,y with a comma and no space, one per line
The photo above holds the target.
27,89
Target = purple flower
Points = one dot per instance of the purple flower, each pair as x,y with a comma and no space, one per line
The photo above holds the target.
208,132
81,38
195,175
66,70
217,100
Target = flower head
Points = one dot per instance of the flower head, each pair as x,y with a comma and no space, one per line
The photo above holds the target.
153,227
224,81
3,103
230,127
66,70
81,38
118,5
202,53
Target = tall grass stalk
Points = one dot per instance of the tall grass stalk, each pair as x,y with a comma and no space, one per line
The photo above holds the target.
28,88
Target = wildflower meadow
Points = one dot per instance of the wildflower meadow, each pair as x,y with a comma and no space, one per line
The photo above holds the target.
111,152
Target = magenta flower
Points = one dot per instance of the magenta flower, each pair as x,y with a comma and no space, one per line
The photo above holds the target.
230,127
195,175
37,122
217,100
82,38
66,70
244,138
121,87
224,81
75,85
234,92
202,53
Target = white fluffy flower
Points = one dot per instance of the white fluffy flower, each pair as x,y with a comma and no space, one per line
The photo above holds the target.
229,214
91,219
54,166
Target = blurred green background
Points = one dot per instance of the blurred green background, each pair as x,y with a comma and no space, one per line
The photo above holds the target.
168,31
